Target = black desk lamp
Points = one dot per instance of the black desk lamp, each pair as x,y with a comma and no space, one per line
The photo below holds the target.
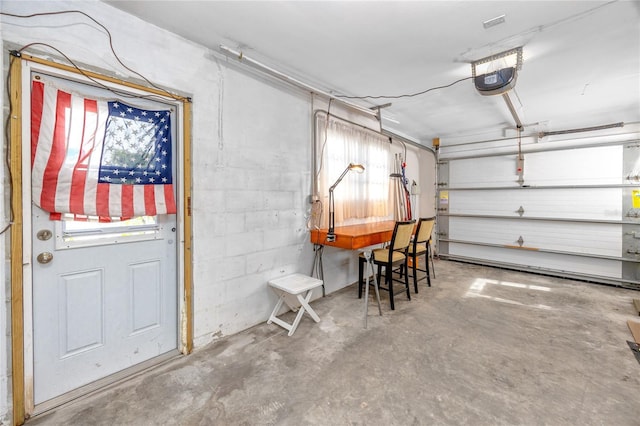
332,221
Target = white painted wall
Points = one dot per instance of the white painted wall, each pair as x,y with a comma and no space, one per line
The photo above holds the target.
251,161
251,181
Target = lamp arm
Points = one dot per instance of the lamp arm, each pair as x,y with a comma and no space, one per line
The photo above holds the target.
332,221
332,187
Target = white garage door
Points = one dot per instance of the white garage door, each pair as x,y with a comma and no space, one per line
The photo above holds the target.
573,210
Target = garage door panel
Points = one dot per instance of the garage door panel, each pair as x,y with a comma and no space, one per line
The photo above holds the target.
584,238
586,166
605,268
483,172
575,207
579,203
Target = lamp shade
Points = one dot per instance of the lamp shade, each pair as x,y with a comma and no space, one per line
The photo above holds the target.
356,167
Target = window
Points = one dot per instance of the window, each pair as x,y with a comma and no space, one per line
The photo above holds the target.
359,197
74,233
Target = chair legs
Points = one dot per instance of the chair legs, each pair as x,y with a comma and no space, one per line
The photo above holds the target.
433,267
388,280
426,269
403,272
361,263
406,280
426,262
414,261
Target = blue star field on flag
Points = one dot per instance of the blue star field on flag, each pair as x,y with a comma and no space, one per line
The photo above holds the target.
137,146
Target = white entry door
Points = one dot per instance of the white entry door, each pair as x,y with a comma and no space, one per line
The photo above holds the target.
105,295
99,309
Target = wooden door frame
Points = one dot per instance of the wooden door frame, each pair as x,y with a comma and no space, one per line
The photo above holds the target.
22,395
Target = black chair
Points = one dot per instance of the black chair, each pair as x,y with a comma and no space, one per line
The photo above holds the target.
393,256
421,246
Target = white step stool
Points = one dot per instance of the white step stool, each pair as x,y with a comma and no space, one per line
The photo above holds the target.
295,285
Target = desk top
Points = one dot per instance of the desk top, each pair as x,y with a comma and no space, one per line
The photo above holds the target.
355,237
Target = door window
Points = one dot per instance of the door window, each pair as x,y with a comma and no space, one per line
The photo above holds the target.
73,233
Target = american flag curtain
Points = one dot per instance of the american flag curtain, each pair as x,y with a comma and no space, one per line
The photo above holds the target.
97,158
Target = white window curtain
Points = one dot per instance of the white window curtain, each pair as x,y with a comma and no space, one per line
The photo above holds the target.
360,197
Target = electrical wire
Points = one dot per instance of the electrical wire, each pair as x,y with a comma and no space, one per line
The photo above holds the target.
324,143
7,134
17,53
98,83
62,12
410,95
315,209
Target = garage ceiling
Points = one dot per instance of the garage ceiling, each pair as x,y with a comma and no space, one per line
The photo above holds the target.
581,58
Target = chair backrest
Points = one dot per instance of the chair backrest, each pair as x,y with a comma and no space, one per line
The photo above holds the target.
425,228
402,235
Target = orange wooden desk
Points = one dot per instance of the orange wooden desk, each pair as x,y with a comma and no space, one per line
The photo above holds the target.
355,237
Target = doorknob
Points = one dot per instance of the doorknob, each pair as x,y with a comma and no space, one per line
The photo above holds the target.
44,234
45,257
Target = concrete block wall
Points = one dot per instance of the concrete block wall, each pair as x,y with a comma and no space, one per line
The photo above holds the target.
251,157
251,206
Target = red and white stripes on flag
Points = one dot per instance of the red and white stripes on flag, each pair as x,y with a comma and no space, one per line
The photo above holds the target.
67,140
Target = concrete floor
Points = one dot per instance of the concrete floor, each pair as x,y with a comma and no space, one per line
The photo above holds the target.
483,346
